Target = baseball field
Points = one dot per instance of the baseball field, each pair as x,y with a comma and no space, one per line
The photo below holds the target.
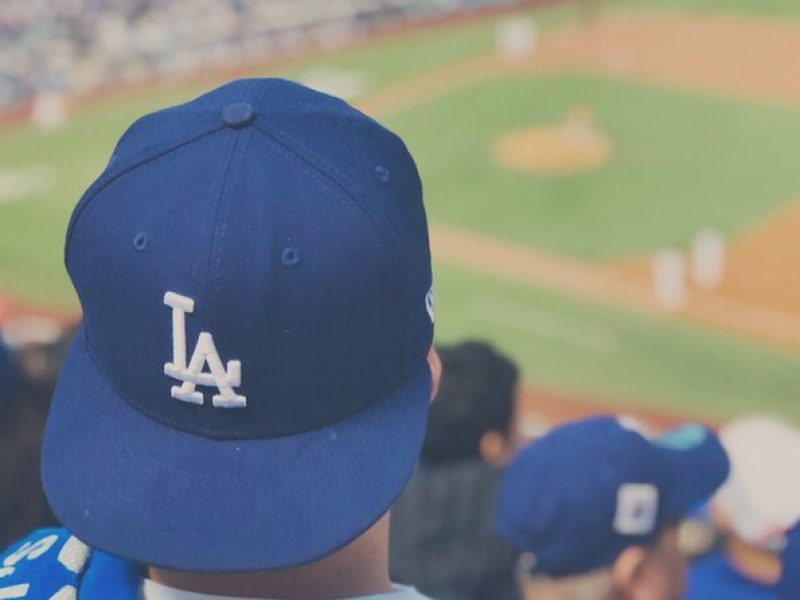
552,173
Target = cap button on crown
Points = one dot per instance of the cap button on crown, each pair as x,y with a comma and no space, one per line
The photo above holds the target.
238,114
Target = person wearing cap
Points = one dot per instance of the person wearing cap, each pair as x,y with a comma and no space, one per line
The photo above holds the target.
9,373
594,507
752,512
442,535
29,365
248,393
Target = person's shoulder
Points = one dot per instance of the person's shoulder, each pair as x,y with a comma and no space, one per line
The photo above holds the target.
406,593
713,577
47,563
399,592
53,563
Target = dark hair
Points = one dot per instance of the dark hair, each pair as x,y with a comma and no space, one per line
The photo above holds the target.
23,505
476,395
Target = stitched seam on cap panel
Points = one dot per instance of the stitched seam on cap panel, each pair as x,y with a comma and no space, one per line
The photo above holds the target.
356,208
354,194
351,118
107,178
220,202
224,199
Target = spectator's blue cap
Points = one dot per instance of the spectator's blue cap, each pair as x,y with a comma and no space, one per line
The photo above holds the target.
576,498
789,585
249,389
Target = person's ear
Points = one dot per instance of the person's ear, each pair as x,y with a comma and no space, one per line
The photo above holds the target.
493,448
627,570
435,364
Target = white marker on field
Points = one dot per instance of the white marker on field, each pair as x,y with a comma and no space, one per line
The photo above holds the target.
18,183
708,259
669,279
516,38
49,111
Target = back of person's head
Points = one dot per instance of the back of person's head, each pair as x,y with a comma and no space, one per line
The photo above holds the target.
760,501
473,416
594,507
250,386
9,373
651,570
27,377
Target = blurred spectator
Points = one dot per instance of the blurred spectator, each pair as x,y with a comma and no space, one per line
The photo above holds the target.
442,538
9,374
595,506
23,412
753,510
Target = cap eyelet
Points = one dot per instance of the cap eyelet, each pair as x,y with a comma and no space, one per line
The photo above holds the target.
238,115
140,241
290,257
383,174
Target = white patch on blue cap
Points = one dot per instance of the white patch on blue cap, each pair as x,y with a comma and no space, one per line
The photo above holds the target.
430,304
637,509
205,352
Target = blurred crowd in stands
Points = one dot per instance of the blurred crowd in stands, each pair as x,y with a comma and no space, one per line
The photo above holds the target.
78,46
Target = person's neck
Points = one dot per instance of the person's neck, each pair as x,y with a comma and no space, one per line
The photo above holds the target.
760,566
359,569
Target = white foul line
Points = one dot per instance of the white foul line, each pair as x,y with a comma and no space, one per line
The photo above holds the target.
546,324
20,182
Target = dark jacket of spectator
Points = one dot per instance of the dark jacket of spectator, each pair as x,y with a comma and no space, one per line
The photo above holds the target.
23,413
430,544
443,538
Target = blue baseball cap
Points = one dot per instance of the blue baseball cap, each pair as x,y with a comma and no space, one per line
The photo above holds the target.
249,388
577,497
789,586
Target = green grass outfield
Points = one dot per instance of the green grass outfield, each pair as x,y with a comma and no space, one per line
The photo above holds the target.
683,161
602,351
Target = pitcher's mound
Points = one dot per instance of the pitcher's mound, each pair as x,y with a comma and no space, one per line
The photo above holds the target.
574,146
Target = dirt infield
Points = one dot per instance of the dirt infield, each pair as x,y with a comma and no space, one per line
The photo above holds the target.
747,58
574,146
544,408
743,57
761,264
764,263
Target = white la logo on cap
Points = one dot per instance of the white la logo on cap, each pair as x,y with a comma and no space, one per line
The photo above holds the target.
637,509
204,352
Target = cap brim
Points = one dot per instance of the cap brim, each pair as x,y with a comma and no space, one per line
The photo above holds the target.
698,464
133,487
